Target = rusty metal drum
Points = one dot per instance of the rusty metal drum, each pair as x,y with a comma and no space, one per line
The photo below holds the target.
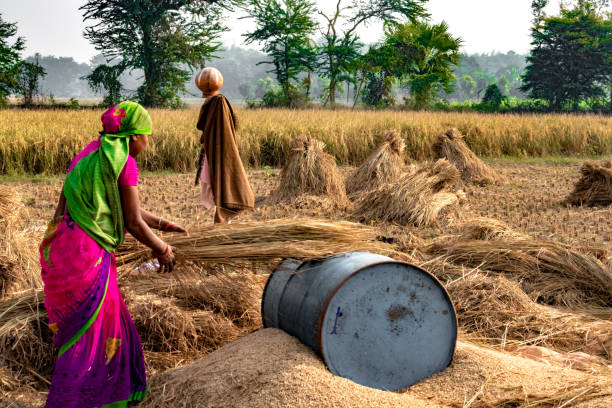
381,323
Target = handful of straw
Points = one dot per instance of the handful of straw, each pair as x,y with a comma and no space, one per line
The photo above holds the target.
262,241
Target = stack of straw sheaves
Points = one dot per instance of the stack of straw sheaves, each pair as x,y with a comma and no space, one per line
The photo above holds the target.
383,165
451,146
309,171
595,186
414,198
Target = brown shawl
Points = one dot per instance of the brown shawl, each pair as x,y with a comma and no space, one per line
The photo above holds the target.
228,179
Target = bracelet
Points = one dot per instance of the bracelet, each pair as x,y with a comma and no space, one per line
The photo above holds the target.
165,254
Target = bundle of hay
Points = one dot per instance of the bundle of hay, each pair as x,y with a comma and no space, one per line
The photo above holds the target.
264,241
414,198
272,369
26,342
595,186
19,269
452,147
550,272
496,311
383,166
309,170
236,297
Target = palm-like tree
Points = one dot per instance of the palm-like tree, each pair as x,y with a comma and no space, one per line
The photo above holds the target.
424,56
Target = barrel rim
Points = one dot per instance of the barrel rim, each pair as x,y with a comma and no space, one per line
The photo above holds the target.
321,318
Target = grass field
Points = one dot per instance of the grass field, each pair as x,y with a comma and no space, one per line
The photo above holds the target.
44,142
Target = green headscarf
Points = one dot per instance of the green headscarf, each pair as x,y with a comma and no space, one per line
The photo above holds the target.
91,188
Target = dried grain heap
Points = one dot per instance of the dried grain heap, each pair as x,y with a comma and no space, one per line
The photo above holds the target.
451,146
272,369
309,171
383,166
416,198
595,186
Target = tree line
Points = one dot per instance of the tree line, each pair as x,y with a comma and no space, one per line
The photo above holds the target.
149,50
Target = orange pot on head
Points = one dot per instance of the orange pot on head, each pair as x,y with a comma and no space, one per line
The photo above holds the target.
209,80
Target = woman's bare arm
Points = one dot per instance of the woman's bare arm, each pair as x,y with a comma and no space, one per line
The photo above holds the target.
60,210
153,221
137,226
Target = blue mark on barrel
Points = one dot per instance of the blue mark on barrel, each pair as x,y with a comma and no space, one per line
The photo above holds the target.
338,314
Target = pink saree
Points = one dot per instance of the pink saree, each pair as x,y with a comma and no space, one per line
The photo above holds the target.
100,361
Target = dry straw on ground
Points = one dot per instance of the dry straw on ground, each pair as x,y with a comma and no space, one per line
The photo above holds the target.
550,272
417,198
383,166
311,171
595,186
272,369
18,267
25,340
451,146
496,311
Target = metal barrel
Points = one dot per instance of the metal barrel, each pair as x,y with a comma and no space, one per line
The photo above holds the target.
381,323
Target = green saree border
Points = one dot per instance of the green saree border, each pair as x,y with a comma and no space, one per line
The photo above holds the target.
87,325
136,396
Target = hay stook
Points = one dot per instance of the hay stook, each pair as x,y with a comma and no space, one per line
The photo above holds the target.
594,187
419,198
384,165
452,147
309,171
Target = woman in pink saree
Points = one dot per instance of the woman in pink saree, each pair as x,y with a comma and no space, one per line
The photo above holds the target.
100,360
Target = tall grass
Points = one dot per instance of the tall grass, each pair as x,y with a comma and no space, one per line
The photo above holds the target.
34,142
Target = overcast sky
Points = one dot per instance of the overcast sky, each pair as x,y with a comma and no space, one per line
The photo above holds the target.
55,27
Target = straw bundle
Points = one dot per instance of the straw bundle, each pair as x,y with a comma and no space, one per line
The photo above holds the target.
415,198
309,170
496,311
25,340
451,146
595,186
550,272
18,267
236,297
237,244
383,166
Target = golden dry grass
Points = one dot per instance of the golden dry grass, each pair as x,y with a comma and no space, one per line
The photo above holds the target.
595,186
414,198
45,141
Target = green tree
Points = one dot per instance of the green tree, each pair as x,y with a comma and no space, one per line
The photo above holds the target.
571,58
28,79
493,97
423,57
340,48
377,75
105,79
10,58
284,27
158,37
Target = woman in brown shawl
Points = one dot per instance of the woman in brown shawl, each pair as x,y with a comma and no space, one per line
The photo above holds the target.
224,181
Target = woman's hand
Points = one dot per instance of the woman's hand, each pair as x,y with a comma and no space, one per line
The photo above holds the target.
166,260
171,227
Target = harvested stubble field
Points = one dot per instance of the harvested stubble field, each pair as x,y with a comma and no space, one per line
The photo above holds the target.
530,275
36,142
553,356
